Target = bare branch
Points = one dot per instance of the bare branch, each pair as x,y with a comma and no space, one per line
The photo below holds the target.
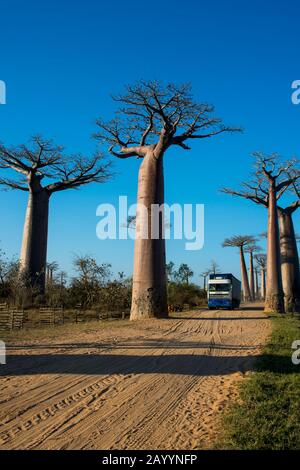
157,116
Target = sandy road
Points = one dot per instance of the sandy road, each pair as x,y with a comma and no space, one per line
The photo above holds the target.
150,385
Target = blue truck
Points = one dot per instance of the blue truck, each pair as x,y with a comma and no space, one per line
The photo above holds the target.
224,291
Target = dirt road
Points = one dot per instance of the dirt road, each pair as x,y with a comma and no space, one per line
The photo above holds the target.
148,385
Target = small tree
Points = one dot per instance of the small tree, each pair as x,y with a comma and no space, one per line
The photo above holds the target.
151,120
214,267
170,272
39,161
91,276
184,273
242,242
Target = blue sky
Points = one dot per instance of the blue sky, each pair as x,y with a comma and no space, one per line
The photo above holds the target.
61,60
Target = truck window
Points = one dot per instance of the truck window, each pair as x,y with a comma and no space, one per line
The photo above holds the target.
219,287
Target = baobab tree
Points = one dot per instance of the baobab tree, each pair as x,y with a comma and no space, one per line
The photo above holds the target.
151,119
51,268
256,291
204,275
272,178
289,253
214,268
261,260
252,248
39,161
242,242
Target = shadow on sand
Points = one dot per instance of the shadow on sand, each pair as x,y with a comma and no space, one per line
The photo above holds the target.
107,364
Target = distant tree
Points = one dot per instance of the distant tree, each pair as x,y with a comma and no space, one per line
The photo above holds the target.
91,276
42,160
152,119
261,260
170,272
204,276
51,268
242,242
4,267
214,267
251,249
184,273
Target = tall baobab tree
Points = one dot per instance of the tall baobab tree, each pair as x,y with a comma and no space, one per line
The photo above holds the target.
261,260
289,253
242,242
251,249
151,119
272,178
36,162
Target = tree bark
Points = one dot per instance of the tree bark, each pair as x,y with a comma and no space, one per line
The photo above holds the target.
263,283
245,280
149,294
256,296
252,288
274,290
289,262
35,235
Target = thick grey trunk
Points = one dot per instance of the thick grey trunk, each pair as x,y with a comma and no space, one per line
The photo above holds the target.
289,262
149,294
34,245
245,280
274,290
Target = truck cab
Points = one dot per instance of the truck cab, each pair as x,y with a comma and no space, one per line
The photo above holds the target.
224,291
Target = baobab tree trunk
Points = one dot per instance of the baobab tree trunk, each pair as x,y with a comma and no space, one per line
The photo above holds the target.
256,297
34,245
252,288
274,290
289,262
245,280
263,283
149,294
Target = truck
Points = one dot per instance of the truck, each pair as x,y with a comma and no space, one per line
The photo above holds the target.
224,291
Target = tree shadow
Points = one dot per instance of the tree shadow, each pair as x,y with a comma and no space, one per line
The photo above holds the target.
219,318
108,364
129,344
277,364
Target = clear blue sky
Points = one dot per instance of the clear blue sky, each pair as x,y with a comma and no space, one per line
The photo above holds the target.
62,59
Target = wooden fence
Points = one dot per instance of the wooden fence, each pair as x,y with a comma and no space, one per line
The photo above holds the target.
10,319
51,315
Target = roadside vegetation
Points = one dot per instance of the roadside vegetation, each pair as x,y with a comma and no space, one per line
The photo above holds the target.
267,415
